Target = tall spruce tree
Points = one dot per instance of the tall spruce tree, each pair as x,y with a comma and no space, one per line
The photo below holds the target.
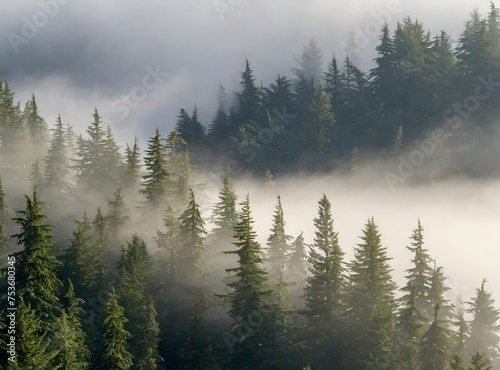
116,354
278,246
310,63
132,165
117,216
435,345
248,98
142,324
371,295
250,296
325,288
484,327
56,168
157,179
36,265
224,214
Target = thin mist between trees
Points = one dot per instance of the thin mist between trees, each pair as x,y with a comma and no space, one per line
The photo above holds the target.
101,299
106,302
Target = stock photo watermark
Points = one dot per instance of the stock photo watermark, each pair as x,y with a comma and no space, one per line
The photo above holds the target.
455,115
225,6
32,25
363,36
131,100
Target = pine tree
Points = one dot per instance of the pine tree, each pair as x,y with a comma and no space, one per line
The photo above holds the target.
116,217
33,345
116,355
56,162
73,352
132,165
36,266
479,362
196,353
37,127
297,266
224,214
157,180
434,350
278,246
36,178
248,99
310,63
191,250
460,336
484,326
250,296
101,237
189,128
371,294
415,303
179,164
437,296
139,310
219,130
99,159
325,287
333,83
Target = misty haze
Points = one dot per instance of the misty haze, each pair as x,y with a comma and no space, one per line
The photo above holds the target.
234,184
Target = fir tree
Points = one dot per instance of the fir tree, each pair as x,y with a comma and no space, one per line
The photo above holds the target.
116,354
248,99
56,162
434,350
191,248
36,178
484,326
297,266
189,128
224,213
139,310
73,352
219,130
371,294
37,127
325,287
196,353
479,362
310,63
250,295
116,217
278,247
36,266
156,181
132,165
179,164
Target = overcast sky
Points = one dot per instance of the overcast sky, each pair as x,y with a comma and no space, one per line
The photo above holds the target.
77,55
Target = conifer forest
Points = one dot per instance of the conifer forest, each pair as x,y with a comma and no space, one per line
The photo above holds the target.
259,238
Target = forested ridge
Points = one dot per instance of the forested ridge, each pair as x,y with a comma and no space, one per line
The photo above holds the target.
117,267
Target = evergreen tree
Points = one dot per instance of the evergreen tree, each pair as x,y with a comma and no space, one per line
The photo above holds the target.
325,287
224,214
99,159
333,83
33,345
310,63
116,354
189,128
83,263
140,313
36,178
297,266
56,162
5,212
484,326
73,352
179,164
434,350
479,362
437,296
250,295
355,159
37,127
219,130
248,98
36,266
196,353
191,248
101,237
278,247
157,179
371,295
132,165
116,217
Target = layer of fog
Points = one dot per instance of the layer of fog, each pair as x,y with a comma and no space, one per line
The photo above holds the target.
460,220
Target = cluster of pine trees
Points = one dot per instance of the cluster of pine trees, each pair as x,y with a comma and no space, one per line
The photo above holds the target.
194,297
106,303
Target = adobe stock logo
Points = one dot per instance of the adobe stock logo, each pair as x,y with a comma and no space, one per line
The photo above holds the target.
130,100
31,27
364,35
